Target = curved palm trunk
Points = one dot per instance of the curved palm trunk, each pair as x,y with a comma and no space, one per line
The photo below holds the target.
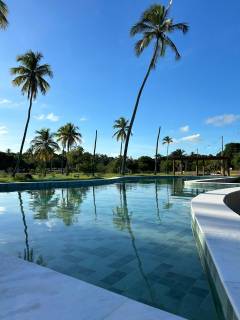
156,154
24,137
135,110
94,155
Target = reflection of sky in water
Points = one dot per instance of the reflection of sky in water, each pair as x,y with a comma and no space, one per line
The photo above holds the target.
133,238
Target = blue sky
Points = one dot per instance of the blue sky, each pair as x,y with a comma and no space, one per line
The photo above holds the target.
97,75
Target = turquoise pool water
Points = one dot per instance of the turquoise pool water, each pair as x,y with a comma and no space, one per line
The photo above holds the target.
132,238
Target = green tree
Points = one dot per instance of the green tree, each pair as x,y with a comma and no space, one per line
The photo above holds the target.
154,25
121,126
69,136
167,140
3,15
44,146
30,77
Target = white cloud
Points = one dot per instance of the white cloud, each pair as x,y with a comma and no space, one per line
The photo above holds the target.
50,116
39,117
3,130
2,210
222,120
5,101
192,139
185,128
82,119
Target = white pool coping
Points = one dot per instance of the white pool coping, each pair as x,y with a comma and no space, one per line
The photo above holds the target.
212,181
32,292
218,231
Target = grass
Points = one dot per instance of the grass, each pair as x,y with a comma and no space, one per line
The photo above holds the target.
81,176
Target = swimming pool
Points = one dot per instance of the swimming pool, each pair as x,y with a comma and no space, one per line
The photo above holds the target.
132,238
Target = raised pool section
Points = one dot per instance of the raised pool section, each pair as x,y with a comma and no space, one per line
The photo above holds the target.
216,223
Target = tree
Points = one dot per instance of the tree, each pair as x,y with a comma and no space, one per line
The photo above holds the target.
3,15
156,153
30,77
44,146
167,140
94,154
154,25
69,136
121,126
61,137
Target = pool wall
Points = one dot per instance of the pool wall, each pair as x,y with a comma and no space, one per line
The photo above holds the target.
216,226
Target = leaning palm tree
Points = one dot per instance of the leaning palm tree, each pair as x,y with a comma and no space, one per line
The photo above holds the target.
30,76
154,26
69,136
61,137
44,146
3,15
121,126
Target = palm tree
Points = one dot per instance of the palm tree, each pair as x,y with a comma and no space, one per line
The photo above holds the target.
61,137
122,127
156,153
69,136
167,140
44,146
94,154
30,77
154,25
3,15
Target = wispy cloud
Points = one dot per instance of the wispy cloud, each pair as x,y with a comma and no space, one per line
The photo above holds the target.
222,120
50,116
3,130
191,139
185,128
8,104
82,119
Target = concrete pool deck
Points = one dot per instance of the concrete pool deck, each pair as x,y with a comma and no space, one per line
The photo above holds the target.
217,228
29,291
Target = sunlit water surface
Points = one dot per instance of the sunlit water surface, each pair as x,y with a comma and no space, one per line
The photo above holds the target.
132,238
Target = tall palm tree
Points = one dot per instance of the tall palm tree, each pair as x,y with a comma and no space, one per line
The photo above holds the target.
69,136
3,15
30,76
121,126
154,26
167,140
44,146
61,137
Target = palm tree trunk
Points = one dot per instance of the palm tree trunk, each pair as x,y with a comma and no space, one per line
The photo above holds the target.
94,155
135,109
67,166
156,154
62,160
167,156
120,157
24,137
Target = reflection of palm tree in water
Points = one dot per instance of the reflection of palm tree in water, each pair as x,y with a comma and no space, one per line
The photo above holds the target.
168,204
122,220
157,203
94,202
28,252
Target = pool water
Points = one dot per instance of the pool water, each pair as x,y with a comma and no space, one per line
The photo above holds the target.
132,238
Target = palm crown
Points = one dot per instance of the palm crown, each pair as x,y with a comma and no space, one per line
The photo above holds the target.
122,127
156,25
3,15
69,135
44,145
30,74
167,140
